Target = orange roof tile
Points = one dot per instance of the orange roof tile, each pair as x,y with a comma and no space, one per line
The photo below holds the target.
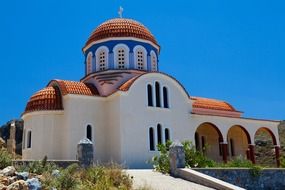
213,104
46,99
121,27
73,87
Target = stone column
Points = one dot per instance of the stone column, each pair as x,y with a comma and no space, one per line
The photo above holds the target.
85,153
11,142
225,151
252,153
277,155
177,157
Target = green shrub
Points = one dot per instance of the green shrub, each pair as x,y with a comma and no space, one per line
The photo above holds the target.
68,179
255,170
194,158
39,167
282,162
161,162
5,158
238,162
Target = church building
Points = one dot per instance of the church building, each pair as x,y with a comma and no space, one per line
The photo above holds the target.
126,106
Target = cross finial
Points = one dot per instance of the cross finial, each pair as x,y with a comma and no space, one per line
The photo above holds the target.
120,12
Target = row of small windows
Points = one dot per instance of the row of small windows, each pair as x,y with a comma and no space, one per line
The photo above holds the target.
158,98
160,137
27,140
121,58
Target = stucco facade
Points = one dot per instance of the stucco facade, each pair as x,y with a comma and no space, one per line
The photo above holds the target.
125,106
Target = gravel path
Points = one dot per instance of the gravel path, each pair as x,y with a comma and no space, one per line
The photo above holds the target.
157,181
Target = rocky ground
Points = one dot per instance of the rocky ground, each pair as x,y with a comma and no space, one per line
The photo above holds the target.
10,179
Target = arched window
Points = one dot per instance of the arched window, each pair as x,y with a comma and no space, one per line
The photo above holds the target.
102,58
165,97
121,56
159,134
29,143
89,63
149,95
89,132
151,139
166,134
153,61
157,94
140,57
197,141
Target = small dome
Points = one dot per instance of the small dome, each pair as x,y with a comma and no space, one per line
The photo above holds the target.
121,27
48,98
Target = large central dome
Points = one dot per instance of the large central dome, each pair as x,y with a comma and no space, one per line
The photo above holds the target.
121,27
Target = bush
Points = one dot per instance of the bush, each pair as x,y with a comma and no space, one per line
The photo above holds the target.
282,162
39,167
161,162
238,162
194,158
5,158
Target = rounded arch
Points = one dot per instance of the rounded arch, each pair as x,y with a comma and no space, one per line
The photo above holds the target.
265,147
140,57
89,60
243,129
153,58
209,139
102,58
268,131
238,140
121,56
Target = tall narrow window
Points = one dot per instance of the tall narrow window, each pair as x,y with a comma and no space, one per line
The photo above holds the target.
159,134
151,139
157,94
153,61
165,97
232,147
89,63
102,61
149,95
166,135
140,60
121,58
197,141
89,132
29,143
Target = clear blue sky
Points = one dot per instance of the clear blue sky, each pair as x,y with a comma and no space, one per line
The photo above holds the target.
229,50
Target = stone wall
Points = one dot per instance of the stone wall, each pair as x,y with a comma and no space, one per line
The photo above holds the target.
266,179
59,163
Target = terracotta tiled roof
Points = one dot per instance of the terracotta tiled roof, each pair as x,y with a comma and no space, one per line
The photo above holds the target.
121,27
73,87
46,99
213,104
128,84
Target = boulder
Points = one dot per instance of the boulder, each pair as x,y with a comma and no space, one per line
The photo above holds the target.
22,175
4,180
18,185
12,179
8,171
3,187
34,184
2,143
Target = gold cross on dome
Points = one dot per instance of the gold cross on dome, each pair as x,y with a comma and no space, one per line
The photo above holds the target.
120,12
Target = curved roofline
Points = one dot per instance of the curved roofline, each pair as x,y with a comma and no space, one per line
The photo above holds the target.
85,47
128,84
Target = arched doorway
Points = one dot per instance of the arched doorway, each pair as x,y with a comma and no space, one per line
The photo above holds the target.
265,148
238,142
208,139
